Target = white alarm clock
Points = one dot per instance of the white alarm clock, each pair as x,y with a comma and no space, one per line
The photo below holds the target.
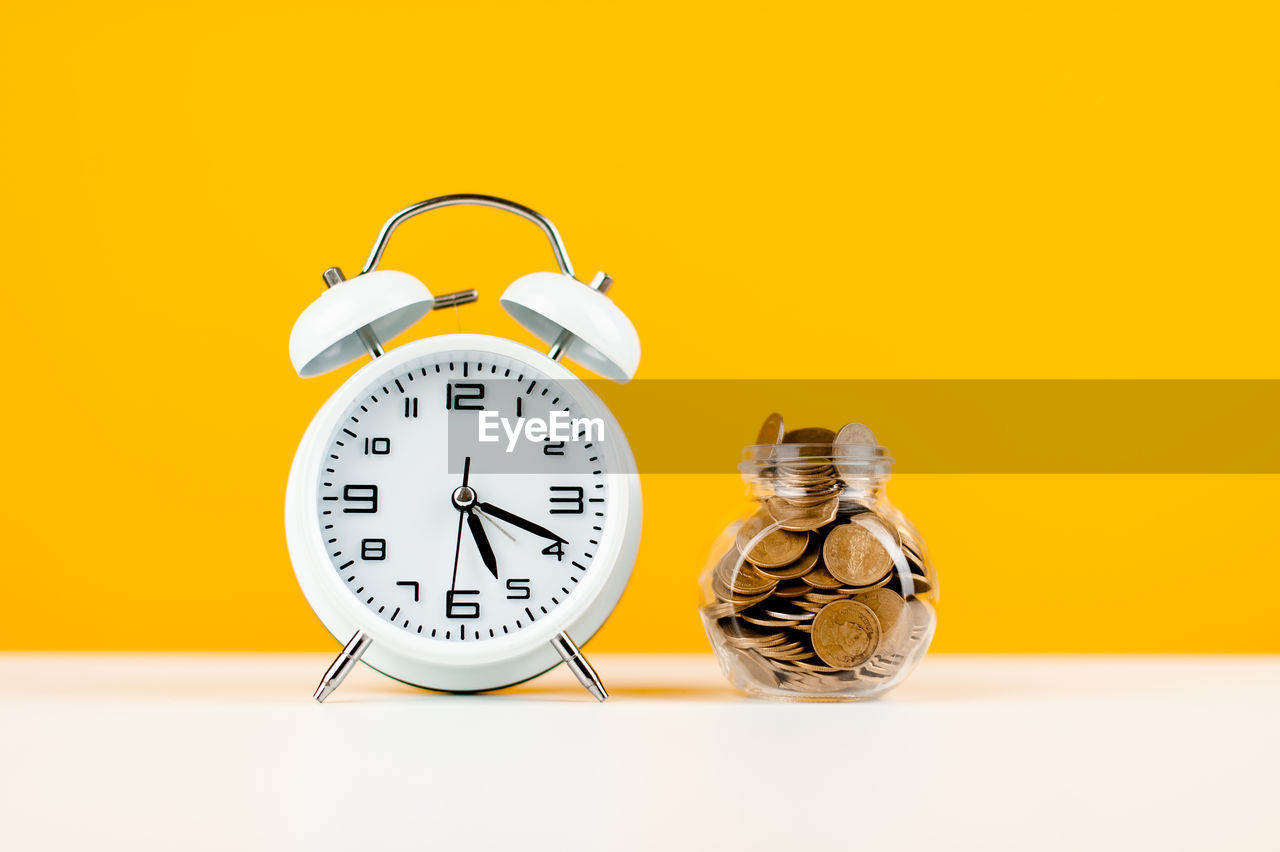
463,508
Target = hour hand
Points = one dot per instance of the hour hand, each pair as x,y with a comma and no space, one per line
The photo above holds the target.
530,526
482,543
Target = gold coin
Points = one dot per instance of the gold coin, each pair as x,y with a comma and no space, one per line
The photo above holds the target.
802,464
817,667
921,615
820,578
753,667
787,613
881,583
812,435
717,611
764,621
784,652
809,495
792,590
796,569
856,433
845,634
921,585
888,607
825,597
854,556
799,517
748,582
740,578
771,432
725,594
777,548
739,637
727,565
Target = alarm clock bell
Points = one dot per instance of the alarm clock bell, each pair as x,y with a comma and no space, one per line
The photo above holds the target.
354,317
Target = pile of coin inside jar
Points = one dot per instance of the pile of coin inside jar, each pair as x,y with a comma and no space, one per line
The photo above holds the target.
824,589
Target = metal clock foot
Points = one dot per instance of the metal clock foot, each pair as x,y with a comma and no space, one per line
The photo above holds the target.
578,664
342,665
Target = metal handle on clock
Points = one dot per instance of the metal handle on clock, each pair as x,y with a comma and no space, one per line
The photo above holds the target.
468,199
600,282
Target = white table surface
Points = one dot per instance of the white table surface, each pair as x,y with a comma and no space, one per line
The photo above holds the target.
186,752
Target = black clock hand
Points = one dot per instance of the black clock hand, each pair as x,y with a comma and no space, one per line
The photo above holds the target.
530,526
457,551
482,542
457,548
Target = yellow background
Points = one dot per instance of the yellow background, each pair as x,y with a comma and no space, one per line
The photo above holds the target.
947,190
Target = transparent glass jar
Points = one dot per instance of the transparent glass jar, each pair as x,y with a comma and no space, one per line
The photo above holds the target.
824,590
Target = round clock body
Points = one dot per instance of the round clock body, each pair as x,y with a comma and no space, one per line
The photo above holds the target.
428,457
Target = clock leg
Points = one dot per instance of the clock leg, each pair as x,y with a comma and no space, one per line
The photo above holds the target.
342,666
578,664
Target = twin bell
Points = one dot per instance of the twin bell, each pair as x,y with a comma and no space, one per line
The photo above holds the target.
353,317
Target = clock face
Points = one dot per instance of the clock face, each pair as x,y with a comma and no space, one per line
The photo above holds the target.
463,496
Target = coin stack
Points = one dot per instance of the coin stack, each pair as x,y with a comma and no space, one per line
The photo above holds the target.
820,592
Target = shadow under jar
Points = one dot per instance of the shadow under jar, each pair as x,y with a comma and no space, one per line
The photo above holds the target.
825,591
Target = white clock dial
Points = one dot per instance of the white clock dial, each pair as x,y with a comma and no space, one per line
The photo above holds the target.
452,564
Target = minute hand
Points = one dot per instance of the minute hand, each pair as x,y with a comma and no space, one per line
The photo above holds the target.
530,526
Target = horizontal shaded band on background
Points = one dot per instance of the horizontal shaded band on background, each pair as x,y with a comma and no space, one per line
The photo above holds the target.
967,426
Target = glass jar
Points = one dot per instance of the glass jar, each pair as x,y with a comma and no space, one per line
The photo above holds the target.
824,590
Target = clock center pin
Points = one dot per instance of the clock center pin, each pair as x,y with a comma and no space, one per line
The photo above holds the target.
464,497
